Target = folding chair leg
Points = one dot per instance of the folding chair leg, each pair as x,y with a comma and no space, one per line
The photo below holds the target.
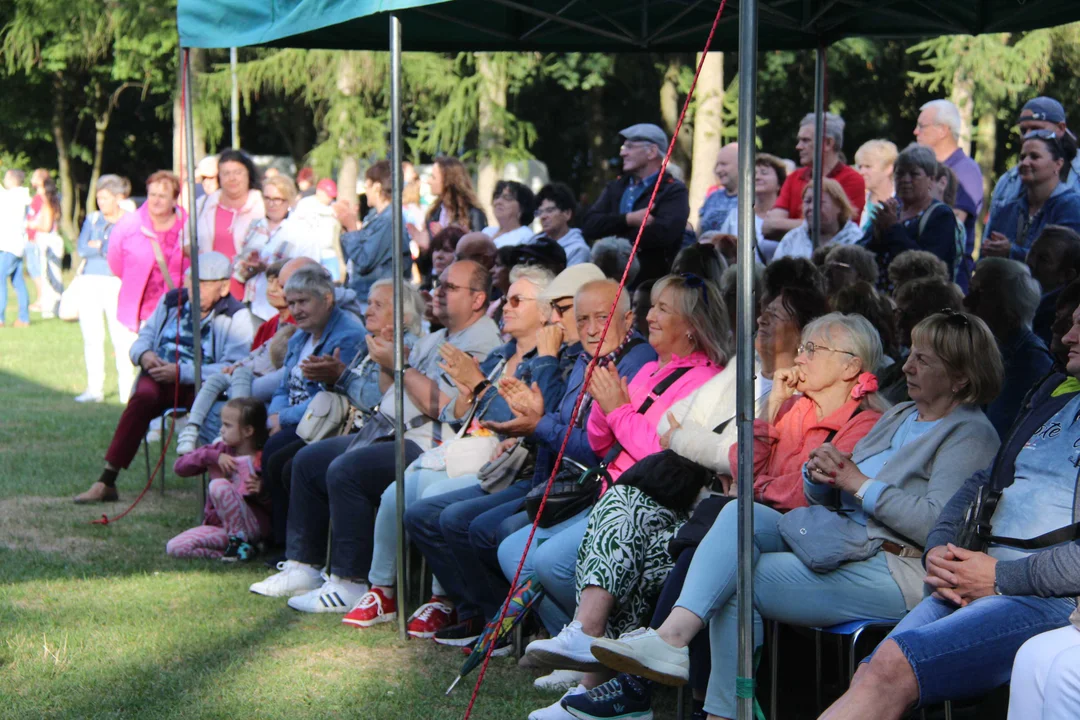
680,700
774,665
519,640
948,710
146,456
422,582
817,668
164,451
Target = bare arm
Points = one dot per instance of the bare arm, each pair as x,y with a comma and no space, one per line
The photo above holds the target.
778,223
424,392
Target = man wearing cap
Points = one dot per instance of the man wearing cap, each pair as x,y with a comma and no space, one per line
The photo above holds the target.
542,251
206,176
165,350
621,207
1041,113
786,214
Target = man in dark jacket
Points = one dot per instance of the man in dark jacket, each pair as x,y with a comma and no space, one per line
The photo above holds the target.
621,208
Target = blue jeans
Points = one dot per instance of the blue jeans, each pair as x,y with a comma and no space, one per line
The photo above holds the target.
11,266
784,589
552,559
966,652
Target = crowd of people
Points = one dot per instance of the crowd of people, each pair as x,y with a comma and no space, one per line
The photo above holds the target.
907,398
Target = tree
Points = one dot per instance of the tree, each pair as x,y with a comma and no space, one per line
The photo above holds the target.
707,129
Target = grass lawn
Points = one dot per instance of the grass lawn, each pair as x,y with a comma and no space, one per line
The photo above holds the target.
96,622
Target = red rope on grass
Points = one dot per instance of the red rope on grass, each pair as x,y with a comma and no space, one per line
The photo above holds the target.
104,519
592,363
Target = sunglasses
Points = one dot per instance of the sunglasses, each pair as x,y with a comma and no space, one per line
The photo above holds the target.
562,309
515,300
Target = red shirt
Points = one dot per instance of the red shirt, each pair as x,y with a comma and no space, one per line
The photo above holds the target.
790,198
267,330
223,234
36,203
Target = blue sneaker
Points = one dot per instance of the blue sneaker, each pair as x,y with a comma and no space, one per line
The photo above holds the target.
625,696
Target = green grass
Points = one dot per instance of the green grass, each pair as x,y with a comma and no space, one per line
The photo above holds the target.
96,622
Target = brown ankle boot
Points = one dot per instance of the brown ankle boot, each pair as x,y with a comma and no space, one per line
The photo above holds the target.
98,492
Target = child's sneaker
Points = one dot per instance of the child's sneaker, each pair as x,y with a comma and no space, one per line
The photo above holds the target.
188,439
239,549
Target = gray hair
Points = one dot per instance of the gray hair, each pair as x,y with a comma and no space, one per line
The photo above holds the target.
862,340
621,307
611,254
1016,294
313,280
704,309
834,127
917,157
413,304
111,183
538,275
947,114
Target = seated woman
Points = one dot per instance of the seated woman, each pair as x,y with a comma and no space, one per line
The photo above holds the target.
888,492
476,399
165,350
914,220
837,227
1045,160
1046,673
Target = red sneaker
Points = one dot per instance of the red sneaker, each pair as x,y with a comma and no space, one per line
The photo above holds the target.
372,608
431,617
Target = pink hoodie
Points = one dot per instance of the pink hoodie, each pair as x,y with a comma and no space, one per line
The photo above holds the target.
131,258
635,432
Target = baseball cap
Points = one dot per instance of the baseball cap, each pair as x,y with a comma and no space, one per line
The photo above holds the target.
570,280
647,132
328,186
1042,108
207,167
213,266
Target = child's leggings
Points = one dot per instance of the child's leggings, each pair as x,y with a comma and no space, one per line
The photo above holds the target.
210,541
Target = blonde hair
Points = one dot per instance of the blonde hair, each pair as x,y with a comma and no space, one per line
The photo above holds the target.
284,185
967,349
884,152
836,191
704,309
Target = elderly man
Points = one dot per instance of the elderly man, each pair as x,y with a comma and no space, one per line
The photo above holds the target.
787,214
620,210
725,199
938,128
478,247
165,350
960,643
457,529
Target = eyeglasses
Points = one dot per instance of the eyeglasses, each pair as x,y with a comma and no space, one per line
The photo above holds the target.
809,348
451,287
547,210
634,144
562,309
515,300
506,197
273,200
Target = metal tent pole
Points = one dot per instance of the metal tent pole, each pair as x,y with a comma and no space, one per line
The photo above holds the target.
399,311
744,352
234,104
193,237
819,141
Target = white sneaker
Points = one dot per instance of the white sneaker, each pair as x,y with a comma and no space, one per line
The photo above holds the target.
555,711
333,596
153,434
560,680
188,439
89,397
295,578
569,650
645,654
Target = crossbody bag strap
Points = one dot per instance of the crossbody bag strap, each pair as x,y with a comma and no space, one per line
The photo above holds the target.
659,389
162,266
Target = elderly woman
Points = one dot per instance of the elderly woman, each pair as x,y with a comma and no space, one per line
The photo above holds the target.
224,216
913,220
146,253
165,350
875,160
888,492
278,236
324,329
1045,158
769,176
514,205
98,297
369,247
427,476
836,222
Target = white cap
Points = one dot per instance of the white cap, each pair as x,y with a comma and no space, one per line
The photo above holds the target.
213,266
567,283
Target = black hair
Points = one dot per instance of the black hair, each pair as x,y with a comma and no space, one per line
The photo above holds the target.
919,298
239,156
861,298
701,259
790,272
561,196
803,303
525,198
252,414
1061,147
1068,239
274,268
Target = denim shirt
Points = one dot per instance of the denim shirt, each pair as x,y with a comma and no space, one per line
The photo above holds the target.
371,251
635,189
490,405
360,381
1013,221
95,227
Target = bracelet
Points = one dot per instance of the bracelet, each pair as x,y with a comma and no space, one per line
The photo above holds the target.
481,387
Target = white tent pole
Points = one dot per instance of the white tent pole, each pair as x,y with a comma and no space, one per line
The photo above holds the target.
234,104
193,237
399,312
744,352
819,142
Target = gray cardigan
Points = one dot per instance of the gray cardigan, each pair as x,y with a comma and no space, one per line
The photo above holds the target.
919,481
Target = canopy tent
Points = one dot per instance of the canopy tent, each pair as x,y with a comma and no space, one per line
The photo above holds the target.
593,25
605,26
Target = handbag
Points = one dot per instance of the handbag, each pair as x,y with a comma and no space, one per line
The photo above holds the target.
72,297
825,539
500,473
465,455
329,414
668,478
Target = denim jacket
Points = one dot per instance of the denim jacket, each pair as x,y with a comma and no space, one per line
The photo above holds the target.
1011,219
490,405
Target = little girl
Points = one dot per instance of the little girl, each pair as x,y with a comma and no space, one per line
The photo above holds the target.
236,506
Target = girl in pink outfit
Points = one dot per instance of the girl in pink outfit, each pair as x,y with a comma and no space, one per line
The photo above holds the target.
236,505
133,256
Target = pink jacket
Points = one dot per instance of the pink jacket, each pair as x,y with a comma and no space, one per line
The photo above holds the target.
206,209
131,258
205,459
635,432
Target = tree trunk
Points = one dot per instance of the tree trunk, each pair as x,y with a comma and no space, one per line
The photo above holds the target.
669,112
349,167
63,159
963,96
101,124
986,155
707,129
491,136
599,165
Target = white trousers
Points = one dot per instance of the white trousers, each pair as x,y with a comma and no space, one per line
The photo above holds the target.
97,307
1046,677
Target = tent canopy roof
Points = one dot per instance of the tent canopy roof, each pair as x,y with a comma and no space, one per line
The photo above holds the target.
592,25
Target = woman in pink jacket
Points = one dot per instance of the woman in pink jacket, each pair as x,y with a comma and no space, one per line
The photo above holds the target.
224,216
146,250
688,328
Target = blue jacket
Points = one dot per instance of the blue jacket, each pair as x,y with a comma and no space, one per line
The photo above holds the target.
1061,208
1025,359
95,227
491,405
345,332
551,429
370,250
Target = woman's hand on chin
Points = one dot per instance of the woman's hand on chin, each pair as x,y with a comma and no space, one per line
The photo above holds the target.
785,383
